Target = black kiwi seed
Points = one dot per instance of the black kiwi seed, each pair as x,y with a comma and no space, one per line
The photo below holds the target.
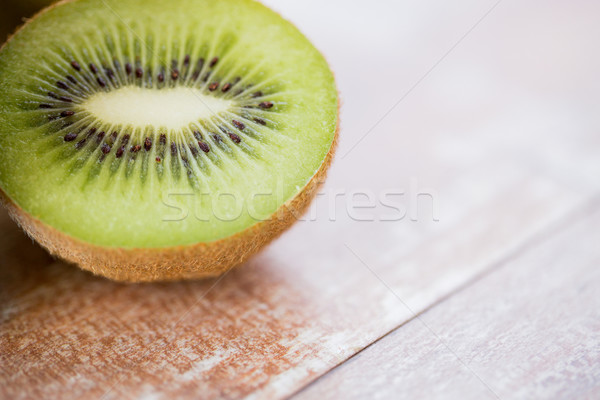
148,144
213,86
69,137
93,68
106,148
83,141
65,114
136,148
234,137
80,144
45,106
100,136
173,149
203,146
193,149
75,65
161,77
239,125
226,87
257,94
62,85
66,99
71,79
198,135
266,104
128,68
175,74
260,121
90,133
163,139
214,61
101,82
53,95
217,138
139,72
186,60
120,152
158,160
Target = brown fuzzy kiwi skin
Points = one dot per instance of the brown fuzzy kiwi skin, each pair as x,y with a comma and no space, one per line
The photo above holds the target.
197,261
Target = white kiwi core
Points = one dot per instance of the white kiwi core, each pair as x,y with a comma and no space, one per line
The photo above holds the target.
167,108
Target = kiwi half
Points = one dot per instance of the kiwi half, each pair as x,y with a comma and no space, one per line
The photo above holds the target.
149,140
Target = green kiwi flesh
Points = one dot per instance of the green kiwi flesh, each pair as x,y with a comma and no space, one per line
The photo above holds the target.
151,124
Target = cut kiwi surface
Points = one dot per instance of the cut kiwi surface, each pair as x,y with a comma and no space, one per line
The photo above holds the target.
149,140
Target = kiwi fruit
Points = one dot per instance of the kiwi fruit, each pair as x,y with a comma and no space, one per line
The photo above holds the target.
147,140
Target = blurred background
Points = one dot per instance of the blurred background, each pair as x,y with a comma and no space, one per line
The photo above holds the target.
454,243
14,12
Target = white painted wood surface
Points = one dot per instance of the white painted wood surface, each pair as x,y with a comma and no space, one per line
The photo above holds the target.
503,132
529,330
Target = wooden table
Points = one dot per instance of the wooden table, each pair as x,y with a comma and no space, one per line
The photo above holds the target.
480,122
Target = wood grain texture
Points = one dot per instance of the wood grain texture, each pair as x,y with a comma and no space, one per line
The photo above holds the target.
506,148
530,330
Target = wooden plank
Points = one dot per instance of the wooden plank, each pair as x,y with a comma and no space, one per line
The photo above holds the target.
474,135
530,330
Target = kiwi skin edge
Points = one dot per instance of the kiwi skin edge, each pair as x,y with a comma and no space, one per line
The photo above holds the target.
196,261
202,260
